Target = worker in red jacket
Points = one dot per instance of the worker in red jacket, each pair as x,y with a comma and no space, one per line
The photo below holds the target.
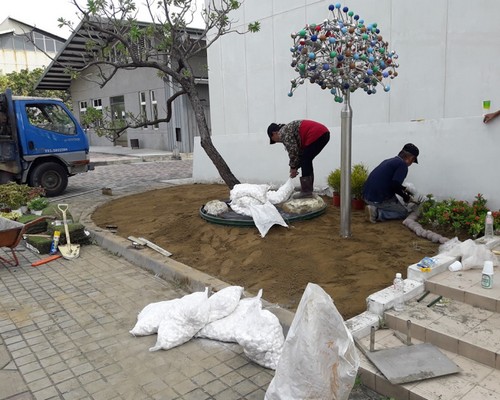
303,140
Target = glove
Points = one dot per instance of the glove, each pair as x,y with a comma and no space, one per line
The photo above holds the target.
406,195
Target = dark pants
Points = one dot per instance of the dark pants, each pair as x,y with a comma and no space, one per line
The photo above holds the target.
310,152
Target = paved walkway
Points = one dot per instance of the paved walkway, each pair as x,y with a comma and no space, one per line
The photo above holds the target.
64,325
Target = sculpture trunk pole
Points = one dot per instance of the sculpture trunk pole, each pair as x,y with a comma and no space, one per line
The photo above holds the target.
345,163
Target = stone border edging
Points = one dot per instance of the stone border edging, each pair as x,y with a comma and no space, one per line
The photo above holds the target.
168,268
411,223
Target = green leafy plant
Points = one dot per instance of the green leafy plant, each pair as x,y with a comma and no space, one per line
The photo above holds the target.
457,217
38,203
359,174
13,215
14,196
334,180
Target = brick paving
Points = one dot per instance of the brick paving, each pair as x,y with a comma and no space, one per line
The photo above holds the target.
64,325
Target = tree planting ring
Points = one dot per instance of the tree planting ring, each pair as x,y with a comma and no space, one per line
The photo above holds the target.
233,219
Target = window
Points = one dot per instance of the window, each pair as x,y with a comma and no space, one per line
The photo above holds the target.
117,107
18,43
7,42
154,108
83,110
83,107
51,117
143,108
50,45
45,43
39,42
97,104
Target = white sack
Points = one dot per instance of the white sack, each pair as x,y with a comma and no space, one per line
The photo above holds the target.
224,302
258,331
282,194
241,205
472,254
262,339
265,216
228,329
252,200
258,192
150,316
184,319
319,359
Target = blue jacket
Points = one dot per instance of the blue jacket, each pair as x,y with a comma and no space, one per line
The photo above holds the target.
385,180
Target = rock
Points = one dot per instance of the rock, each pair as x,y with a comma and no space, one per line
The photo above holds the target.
303,206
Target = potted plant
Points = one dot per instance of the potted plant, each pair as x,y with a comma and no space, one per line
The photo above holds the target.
334,183
37,205
359,174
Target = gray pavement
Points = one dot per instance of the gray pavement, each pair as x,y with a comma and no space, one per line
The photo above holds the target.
64,325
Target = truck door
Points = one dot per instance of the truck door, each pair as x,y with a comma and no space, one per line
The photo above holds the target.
49,128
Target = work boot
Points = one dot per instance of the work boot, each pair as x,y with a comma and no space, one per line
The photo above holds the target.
371,214
306,188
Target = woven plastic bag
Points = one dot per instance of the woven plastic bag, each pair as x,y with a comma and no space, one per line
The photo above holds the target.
319,359
265,216
184,319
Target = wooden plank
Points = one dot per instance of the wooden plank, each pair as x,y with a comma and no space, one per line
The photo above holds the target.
137,240
155,247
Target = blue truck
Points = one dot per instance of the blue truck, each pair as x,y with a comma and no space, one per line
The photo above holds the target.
41,143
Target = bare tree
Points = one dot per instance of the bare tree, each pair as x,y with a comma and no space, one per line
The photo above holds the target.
116,40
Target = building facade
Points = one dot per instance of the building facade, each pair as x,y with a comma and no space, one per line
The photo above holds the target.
17,50
141,92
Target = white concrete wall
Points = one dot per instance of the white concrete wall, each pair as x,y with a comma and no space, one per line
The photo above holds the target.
449,62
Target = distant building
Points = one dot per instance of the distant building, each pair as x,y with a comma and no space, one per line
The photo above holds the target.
17,52
141,92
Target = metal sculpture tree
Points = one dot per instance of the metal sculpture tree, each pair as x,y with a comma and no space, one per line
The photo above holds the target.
343,54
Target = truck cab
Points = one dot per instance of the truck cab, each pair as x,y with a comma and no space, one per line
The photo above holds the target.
41,143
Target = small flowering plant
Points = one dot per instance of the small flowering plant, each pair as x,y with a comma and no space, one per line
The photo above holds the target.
457,216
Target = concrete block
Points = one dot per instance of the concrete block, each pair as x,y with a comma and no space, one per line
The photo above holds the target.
442,264
361,324
383,300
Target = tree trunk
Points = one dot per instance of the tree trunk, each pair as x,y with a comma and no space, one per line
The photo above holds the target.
206,141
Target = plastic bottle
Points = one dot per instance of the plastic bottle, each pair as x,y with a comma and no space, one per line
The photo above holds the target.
399,290
55,242
488,225
487,276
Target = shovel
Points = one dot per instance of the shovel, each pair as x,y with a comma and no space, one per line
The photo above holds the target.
68,251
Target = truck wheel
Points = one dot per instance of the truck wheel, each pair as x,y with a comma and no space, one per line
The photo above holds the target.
51,176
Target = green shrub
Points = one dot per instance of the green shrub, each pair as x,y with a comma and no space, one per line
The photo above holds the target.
38,203
359,174
334,180
457,216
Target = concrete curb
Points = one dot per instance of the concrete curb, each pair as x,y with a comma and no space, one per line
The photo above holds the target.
168,268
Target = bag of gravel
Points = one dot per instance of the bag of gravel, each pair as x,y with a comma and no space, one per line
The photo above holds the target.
184,318
319,359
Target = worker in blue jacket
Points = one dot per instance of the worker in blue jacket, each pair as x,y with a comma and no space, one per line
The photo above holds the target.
385,182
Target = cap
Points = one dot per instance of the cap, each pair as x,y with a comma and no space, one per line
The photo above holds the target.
270,130
412,149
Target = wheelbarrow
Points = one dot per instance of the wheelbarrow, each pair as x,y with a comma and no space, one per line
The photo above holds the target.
11,233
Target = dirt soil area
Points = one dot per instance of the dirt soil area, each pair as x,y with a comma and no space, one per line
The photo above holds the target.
281,263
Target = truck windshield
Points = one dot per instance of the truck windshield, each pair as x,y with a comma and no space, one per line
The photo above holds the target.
50,117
